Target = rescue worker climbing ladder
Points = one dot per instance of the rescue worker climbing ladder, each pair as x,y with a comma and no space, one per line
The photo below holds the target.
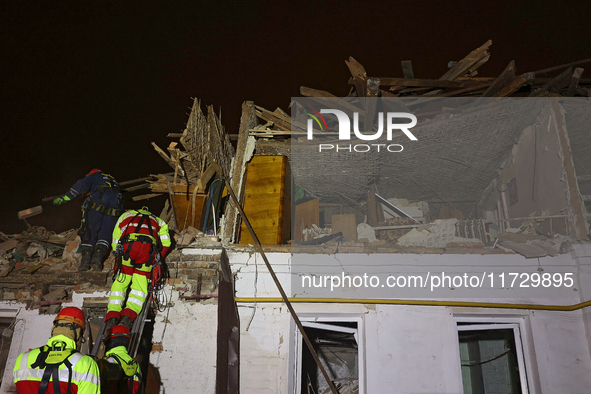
58,367
120,373
139,240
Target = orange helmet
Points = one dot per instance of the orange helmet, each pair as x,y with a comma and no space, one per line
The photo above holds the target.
118,332
72,314
94,171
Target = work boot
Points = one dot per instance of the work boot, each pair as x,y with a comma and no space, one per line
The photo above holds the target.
127,322
86,251
100,251
109,324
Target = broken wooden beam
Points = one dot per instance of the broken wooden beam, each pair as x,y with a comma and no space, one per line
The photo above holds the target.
556,68
464,65
506,77
574,81
515,85
407,70
309,92
356,69
558,82
146,196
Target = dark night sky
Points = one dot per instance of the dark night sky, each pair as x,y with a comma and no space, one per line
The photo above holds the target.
92,83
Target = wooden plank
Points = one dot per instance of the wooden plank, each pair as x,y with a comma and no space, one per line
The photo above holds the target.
309,92
574,81
506,77
264,199
407,70
556,68
135,181
372,211
184,212
346,224
146,196
461,67
560,81
515,85
462,91
231,222
360,87
356,69
161,187
473,71
431,83
340,105
277,119
170,161
134,188
306,214
204,179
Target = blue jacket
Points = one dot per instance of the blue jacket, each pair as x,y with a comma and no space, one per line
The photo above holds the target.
103,189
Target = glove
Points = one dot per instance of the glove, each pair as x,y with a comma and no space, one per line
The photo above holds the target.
60,200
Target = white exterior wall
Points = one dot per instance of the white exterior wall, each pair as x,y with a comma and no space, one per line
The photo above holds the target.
187,363
414,349
408,349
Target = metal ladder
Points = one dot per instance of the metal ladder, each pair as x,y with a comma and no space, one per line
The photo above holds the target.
136,331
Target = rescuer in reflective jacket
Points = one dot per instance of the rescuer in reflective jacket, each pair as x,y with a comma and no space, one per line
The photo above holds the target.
100,212
139,239
57,367
120,373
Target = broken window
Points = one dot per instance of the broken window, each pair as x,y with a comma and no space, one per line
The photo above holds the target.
6,330
340,350
492,359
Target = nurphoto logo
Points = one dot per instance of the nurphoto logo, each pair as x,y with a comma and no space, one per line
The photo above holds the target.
390,119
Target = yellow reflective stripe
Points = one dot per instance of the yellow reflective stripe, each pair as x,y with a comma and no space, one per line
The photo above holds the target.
138,293
115,302
117,294
165,236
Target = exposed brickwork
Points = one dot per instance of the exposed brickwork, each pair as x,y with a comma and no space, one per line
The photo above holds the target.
194,274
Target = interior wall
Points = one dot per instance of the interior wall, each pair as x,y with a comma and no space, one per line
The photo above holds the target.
534,178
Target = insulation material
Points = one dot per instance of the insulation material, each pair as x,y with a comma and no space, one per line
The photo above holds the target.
365,231
436,235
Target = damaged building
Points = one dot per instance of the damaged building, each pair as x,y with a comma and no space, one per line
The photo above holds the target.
459,263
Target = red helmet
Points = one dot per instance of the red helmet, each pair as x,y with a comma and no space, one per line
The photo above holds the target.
72,314
94,171
119,331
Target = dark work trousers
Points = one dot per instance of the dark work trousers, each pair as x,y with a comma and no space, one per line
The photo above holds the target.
100,226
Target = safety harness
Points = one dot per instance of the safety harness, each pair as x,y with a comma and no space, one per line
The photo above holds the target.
50,359
109,184
130,238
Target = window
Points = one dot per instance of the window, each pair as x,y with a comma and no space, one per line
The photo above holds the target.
339,345
491,356
7,323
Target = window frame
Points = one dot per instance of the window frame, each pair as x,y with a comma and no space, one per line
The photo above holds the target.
316,321
517,324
